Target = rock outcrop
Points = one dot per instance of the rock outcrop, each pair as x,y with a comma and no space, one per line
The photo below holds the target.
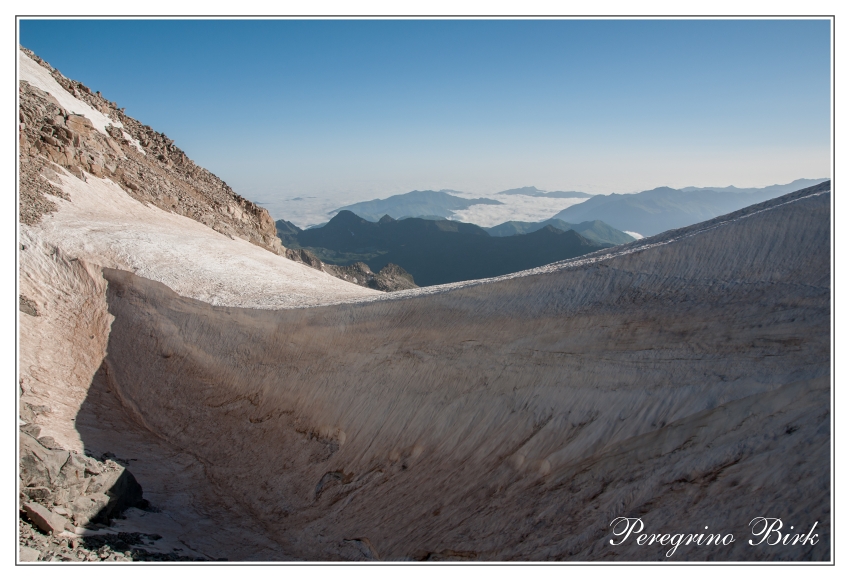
389,279
65,497
144,162
84,489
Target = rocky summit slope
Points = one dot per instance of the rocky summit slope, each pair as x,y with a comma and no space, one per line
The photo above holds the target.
269,411
84,133
66,126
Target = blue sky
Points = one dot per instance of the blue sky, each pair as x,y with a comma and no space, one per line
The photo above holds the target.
362,109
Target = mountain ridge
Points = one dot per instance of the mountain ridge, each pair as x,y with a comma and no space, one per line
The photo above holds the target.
653,211
537,193
414,203
435,251
595,230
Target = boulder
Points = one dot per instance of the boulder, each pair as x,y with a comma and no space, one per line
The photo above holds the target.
115,147
124,491
40,466
36,492
90,508
48,521
79,124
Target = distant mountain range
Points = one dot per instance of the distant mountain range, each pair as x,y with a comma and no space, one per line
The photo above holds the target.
434,251
661,209
595,231
414,204
532,191
773,191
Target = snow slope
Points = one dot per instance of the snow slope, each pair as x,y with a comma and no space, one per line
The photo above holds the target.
103,225
683,378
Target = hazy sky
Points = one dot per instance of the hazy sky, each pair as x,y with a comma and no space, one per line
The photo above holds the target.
355,110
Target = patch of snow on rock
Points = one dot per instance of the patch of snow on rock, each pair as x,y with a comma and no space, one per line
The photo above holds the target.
38,76
134,142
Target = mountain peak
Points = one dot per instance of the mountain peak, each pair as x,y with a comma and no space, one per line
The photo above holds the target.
524,191
345,217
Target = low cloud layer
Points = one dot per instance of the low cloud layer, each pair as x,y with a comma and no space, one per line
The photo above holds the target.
307,211
515,207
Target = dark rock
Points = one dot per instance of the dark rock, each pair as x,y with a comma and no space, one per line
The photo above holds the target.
304,256
48,442
40,466
394,278
89,508
125,492
41,493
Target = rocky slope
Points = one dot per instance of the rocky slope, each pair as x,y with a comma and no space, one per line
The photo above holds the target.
63,124
144,162
390,278
435,251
